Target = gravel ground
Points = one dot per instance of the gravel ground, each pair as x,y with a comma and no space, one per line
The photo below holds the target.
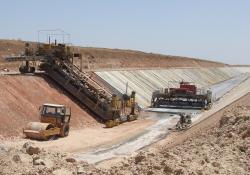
222,149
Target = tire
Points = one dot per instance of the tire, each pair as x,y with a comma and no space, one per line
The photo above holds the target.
22,69
128,118
109,124
52,137
116,122
65,131
32,69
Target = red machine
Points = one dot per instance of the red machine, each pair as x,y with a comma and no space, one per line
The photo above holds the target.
187,95
185,88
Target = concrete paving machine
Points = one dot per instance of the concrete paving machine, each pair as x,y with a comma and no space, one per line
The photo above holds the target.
187,95
54,121
57,61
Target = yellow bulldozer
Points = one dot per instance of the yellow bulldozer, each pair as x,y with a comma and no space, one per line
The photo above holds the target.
54,122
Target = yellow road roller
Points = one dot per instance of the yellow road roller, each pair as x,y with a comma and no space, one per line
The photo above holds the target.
54,122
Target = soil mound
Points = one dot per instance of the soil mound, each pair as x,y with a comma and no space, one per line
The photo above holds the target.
21,96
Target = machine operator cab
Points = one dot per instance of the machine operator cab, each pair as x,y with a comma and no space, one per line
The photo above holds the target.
55,113
54,121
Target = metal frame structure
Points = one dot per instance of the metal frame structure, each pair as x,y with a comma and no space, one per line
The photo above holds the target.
56,60
187,97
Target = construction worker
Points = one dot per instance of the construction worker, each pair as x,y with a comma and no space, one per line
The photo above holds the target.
182,119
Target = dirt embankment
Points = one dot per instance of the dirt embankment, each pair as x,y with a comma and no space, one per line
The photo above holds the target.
102,58
116,58
223,149
21,96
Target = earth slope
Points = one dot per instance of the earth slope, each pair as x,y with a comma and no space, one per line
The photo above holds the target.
21,96
103,58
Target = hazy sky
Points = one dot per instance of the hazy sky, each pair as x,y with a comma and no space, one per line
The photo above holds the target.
211,29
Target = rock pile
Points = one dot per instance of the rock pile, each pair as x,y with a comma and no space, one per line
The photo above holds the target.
30,159
222,150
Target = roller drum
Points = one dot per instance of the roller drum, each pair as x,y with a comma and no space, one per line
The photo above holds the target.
35,130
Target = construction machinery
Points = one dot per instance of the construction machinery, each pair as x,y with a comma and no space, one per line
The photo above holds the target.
54,121
186,96
57,62
184,122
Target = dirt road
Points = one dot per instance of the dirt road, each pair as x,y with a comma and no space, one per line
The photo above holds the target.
87,139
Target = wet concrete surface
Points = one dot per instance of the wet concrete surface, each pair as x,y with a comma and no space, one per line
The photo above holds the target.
222,88
151,135
144,82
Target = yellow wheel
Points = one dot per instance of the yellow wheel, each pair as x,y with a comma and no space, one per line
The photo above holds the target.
109,124
131,117
116,122
135,117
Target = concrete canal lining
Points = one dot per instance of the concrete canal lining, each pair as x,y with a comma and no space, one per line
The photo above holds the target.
165,120
144,82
